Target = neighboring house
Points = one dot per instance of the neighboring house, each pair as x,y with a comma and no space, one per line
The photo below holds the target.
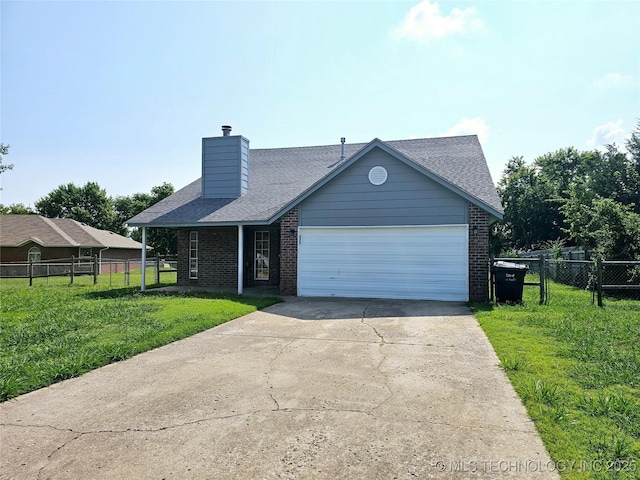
397,219
32,237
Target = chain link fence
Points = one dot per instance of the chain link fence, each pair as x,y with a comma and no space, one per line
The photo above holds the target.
576,273
114,272
597,279
619,279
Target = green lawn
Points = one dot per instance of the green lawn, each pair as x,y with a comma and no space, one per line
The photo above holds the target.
50,332
577,369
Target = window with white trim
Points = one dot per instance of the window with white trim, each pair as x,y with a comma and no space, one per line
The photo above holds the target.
34,254
261,257
193,254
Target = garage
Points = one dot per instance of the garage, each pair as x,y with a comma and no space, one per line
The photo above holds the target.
404,262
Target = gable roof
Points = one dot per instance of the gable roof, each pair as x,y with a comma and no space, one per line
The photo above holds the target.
17,230
282,177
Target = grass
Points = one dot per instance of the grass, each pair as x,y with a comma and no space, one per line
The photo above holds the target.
57,331
577,369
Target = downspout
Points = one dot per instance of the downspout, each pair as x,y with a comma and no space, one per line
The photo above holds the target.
143,269
100,257
240,258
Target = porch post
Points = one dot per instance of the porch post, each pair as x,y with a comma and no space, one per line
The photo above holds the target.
143,268
240,261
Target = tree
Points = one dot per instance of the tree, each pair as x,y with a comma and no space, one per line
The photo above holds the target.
589,198
88,204
129,206
540,199
16,209
633,149
565,167
4,150
613,176
163,240
633,146
608,227
531,214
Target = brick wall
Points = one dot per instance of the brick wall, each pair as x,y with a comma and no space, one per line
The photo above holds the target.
21,253
289,253
217,257
183,257
478,254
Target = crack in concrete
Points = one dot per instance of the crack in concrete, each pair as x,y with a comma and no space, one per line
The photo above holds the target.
268,373
386,382
327,409
80,434
362,320
60,447
275,401
381,344
135,430
346,340
58,429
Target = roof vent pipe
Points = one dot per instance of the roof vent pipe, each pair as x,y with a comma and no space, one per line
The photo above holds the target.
226,130
342,139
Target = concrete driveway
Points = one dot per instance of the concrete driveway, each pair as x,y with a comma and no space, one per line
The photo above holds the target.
311,388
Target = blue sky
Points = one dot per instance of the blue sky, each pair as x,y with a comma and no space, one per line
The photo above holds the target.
121,93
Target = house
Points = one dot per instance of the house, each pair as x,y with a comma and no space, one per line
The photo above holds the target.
384,219
33,238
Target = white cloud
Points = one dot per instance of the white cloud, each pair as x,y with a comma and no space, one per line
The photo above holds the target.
611,80
471,126
607,134
425,22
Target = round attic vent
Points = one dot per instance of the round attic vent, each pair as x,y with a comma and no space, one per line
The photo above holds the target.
378,175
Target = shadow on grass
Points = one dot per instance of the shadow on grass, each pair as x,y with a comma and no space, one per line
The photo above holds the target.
481,306
113,293
134,292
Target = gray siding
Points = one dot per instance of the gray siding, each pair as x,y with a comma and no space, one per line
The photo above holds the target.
225,166
406,198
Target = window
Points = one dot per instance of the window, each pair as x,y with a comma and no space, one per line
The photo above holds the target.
261,257
193,254
34,255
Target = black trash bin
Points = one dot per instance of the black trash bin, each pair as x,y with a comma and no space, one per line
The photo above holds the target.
509,278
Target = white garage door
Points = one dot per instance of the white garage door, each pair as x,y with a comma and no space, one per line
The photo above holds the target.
424,262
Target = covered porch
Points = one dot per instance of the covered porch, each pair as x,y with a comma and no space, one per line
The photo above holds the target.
238,258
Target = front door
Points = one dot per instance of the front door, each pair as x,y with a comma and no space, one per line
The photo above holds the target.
261,256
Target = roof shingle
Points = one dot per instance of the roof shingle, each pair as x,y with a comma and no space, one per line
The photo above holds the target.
16,230
278,176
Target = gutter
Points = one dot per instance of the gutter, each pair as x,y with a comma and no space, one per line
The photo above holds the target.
201,224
